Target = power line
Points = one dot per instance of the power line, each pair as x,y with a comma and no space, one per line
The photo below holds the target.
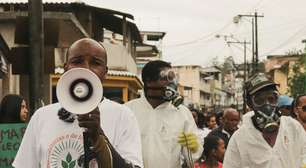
278,28
191,47
285,42
189,51
201,38
241,49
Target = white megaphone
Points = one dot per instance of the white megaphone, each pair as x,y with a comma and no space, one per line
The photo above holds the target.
79,91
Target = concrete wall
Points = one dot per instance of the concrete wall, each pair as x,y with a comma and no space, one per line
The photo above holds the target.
119,58
10,82
18,84
7,30
190,76
281,79
204,85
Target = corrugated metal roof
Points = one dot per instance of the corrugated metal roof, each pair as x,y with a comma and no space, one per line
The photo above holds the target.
60,70
209,78
44,1
121,73
83,3
109,15
210,69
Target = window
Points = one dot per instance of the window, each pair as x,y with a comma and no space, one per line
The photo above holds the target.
188,91
112,92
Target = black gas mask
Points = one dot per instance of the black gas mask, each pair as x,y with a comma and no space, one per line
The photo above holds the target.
171,94
267,115
167,92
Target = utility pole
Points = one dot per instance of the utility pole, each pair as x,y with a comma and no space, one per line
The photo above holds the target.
256,42
36,67
244,65
254,39
304,41
253,46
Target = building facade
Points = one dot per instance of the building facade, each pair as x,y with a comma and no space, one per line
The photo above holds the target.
195,86
150,49
279,68
64,23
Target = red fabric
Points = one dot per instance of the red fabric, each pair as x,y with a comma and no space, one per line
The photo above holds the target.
202,165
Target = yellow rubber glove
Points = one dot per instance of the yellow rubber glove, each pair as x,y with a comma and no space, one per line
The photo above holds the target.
189,140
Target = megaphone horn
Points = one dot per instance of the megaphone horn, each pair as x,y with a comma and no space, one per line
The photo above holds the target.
79,91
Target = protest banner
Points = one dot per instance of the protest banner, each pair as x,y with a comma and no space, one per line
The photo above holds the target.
10,139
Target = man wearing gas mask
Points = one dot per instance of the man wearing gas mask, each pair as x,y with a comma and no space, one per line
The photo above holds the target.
266,139
167,128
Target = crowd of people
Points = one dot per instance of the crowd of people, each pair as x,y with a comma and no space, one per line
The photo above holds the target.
270,135
156,131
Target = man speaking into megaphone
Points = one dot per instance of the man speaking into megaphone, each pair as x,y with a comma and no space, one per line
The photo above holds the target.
54,136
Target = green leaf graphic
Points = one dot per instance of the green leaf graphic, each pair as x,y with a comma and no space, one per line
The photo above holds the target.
68,158
64,164
72,164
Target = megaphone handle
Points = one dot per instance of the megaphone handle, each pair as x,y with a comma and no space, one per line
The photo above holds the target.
86,149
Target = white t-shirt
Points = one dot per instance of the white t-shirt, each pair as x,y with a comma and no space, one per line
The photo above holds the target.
248,149
160,128
50,142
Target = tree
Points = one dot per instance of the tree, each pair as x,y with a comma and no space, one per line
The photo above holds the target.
297,82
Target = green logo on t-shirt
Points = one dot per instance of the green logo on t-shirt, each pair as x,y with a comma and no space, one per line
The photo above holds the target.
65,151
69,163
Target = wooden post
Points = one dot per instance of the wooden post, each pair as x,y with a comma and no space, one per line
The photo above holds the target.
36,67
124,29
125,94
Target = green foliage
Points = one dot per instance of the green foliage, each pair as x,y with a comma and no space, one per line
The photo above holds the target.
297,83
285,68
68,163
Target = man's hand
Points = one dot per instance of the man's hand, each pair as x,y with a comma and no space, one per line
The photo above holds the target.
91,121
190,140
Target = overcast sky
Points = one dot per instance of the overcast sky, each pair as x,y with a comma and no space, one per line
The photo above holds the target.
191,26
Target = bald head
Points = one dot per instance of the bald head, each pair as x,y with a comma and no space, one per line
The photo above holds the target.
89,54
86,42
231,118
229,111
